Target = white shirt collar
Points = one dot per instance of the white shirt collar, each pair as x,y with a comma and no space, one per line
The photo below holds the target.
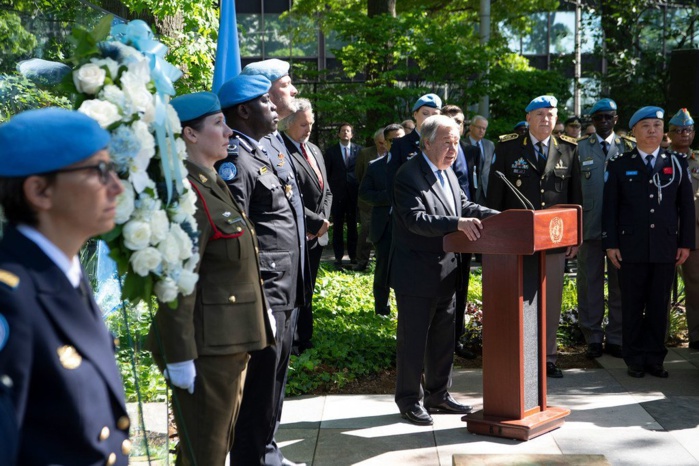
644,154
70,267
473,141
433,167
545,142
609,139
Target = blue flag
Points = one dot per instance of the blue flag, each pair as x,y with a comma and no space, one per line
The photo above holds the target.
227,51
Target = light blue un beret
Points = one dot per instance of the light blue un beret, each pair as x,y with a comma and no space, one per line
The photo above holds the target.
645,113
243,88
543,101
682,118
520,124
428,100
271,69
197,105
48,139
603,105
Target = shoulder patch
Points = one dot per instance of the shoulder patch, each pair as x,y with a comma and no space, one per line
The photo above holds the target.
4,331
508,137
9,279
568,139
227,171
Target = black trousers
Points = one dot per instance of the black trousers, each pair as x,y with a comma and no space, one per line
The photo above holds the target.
645,295
461,298
344,211
425,342
382,291
263,397
304,327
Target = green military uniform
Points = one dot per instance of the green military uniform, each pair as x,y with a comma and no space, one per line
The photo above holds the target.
690,269
218,324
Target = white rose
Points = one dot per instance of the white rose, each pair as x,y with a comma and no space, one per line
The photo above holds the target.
166,290
192,262
106,113
159,225
145,137
183,241
110,64
141,100
170,249
189,202
173,119
113,94
181,148
145,261
139,71
136,235
140,180
89,78
125,203
187,281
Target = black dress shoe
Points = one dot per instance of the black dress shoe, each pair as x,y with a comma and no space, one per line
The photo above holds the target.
553,371
463,352
449,406
594,350
636,371
613,350
657,370
694,345
417,415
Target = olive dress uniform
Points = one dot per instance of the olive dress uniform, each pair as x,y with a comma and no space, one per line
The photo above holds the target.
591,256
66,390
647,224
545,183
217,325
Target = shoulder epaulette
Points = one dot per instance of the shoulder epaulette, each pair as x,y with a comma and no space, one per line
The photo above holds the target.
508,137
582,138
568,139
9,279
630,139
245,144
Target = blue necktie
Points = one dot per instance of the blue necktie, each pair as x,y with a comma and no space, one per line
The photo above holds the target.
440,177
649,163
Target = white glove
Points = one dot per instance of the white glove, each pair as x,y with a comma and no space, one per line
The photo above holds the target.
272,322
181,375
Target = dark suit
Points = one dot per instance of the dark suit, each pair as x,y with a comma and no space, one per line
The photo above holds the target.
317,203
8,423
60,357
425,280
262,195
373,191
344,186
365,156
648,229
480,165
402,149
544,183
217,325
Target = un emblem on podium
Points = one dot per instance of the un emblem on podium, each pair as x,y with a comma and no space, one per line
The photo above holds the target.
556,229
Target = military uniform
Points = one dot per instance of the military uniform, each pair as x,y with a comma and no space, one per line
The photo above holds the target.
217,325
591,256
67,392
690,269
402,150
647,224
255,184
545,184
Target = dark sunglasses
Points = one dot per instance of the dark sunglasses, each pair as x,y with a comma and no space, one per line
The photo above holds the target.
685,130
603,116
104,170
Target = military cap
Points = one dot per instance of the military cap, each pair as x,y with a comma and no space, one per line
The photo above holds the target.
682,118
428,100
645,113
603,105
197,105
543,101
571,120
243,88
521,124
271,69
46,140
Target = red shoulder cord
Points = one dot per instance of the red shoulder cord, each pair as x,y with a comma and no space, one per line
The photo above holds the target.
217,233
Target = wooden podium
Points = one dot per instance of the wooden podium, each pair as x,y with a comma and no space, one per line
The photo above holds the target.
513,246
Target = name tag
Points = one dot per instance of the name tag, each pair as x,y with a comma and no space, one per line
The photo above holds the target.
667,171
632,173
588,162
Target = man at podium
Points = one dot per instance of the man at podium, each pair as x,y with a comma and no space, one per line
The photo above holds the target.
428,204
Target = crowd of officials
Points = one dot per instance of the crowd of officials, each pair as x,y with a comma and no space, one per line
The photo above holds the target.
266,197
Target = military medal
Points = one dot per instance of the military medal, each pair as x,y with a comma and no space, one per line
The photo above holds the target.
281,160
69,357
287,190
263,170
202,178
518,183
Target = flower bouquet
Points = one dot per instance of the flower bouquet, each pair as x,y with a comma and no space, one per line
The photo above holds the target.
121,79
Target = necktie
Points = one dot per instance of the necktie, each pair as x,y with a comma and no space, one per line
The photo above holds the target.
649,163
605,147
346,152
312,162
440,177
540,148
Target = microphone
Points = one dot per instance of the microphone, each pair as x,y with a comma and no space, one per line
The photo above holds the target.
520,197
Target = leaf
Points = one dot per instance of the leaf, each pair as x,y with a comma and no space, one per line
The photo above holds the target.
101,30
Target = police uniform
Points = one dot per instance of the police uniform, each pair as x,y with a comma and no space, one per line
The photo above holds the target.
545,184
591,256
648,216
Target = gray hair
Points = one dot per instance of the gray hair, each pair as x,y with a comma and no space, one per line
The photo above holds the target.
298,105
431,125
378,134
478,118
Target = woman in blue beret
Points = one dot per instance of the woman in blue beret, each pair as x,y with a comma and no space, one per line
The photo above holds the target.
202,345
57,189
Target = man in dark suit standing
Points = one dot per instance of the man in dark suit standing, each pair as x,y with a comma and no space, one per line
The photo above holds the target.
647,230
428,205
373,191
546,170
340,160
317,200
486,150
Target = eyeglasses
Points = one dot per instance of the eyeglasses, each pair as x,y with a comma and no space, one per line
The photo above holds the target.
685,130
603,116
104,170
